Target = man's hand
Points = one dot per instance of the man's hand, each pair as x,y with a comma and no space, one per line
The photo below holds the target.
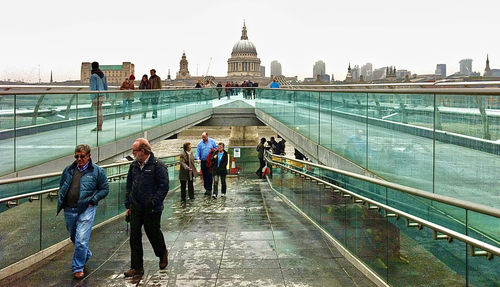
127,212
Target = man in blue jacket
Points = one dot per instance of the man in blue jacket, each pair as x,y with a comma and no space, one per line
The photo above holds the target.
202,151
147,186
98,82
83,184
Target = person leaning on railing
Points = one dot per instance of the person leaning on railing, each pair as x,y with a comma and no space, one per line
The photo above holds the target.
83,184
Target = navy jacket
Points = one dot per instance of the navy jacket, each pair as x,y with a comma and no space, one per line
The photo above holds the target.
147,188
93,186
222,169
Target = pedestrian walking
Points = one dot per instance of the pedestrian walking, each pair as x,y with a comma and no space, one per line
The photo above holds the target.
128,98
219,170
202,150
145,96
147,186
187,171
98,82
155,84
83,184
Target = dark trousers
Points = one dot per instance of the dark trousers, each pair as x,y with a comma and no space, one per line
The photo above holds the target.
222,183
144,104
262,164
207,177
190,189
151,222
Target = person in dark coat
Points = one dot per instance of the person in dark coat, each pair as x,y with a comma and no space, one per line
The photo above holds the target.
144,85
260,155
187,171
147,186
219,170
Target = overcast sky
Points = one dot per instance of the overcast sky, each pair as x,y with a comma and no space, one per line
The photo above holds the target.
415,35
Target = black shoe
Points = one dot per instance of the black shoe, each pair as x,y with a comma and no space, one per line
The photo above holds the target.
134,272
214,196
164,260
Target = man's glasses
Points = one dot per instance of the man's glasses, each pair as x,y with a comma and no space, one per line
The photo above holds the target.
80,156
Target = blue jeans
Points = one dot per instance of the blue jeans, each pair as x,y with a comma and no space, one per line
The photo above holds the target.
79,227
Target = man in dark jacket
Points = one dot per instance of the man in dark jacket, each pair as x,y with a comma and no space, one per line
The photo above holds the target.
83,184
219,160
147,186
155,84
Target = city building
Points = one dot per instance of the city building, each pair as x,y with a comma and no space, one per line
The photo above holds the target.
355,72
378,74
348,78
276,68
183,69
441,70
319,68
366,71
115,74
402,74
243,61
466,67
487,70
262,71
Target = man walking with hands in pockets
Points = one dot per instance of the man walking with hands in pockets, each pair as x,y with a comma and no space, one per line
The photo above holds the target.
147,186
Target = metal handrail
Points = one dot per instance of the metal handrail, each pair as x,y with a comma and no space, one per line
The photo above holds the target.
46,175
410,190
403,84
444,91
415,220
88,92
35,193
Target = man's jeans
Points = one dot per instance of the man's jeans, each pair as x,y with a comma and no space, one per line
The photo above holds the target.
79,227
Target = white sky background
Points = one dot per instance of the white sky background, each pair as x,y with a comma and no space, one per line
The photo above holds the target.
415,35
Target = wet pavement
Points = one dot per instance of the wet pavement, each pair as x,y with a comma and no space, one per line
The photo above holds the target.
249,238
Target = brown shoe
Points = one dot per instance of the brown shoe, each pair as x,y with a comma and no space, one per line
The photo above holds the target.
164,260
79,275
134,272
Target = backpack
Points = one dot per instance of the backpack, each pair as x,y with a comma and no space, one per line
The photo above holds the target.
210,163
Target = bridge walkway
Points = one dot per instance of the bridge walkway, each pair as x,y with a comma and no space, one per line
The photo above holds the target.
249,238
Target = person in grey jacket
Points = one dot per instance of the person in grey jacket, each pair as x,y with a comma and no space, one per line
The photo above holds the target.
83,184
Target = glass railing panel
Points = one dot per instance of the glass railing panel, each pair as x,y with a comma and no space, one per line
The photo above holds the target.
350,104
111,111
19,232
302,113
151,119
32,131
87,120
53,227
349,130
466,164
314,116
418,246
8,153
128,114
326,120
7,109
481,271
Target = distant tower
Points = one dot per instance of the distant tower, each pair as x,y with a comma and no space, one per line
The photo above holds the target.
465,67
487,70
183,70
168,77
51,81
348,78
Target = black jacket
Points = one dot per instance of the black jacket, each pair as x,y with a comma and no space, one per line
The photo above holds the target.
222,169
147,188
